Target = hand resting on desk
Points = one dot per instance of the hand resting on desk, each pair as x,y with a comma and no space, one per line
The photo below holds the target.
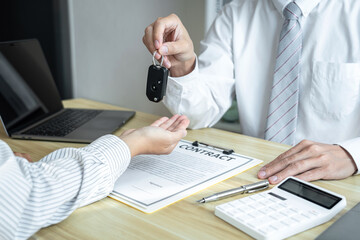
310,161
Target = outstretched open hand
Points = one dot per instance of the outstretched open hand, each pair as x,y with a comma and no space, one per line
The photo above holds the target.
160,137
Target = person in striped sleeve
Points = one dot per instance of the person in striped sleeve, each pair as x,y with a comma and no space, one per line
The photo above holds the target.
34,195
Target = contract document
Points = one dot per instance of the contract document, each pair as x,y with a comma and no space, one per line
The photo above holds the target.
152,182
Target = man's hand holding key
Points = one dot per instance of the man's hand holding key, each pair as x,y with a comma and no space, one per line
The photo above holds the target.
170,39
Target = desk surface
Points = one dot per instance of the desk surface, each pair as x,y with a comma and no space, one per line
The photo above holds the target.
110,219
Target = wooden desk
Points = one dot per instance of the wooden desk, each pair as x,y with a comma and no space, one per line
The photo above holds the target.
109,219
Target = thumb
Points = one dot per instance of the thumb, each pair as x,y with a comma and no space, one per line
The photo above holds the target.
173,48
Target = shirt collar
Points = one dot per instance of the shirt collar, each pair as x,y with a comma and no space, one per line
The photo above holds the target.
306,6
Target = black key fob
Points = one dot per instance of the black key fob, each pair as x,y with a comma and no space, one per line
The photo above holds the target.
156,82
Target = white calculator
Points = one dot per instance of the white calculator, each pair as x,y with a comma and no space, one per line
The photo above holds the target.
291,207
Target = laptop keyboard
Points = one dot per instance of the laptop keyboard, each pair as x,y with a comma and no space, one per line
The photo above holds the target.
64,123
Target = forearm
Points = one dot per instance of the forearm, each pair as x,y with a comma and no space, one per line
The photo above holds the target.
39,194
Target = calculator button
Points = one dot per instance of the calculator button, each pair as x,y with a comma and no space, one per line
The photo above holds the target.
262,202
289,221
230,212
295,210
306,215
276,207
278,225
258,222
253,214
240,220
242,216
298,218
257,213
287,212
246,209
236,213
249,216
283,204
277,216
267,210
254,205
268,202
313,212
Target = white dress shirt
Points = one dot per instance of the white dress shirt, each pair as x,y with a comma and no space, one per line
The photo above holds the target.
36,195
238,58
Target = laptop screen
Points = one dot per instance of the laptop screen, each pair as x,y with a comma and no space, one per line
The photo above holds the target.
27,89
17,100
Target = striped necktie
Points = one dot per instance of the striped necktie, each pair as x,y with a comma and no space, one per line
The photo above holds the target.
283,108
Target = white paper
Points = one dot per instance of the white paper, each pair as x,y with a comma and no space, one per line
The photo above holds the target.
152,182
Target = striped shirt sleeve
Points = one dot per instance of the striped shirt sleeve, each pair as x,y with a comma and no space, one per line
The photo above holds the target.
36,195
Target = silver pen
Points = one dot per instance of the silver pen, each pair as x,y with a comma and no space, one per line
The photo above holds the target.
249,188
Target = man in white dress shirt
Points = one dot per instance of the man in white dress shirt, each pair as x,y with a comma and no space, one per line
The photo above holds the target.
36,195
238,59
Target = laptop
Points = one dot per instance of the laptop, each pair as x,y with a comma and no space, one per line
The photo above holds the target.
30,104
345,228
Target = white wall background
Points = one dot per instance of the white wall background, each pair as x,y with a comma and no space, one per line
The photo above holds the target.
109,59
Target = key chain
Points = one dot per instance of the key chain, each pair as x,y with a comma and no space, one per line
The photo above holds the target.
156,80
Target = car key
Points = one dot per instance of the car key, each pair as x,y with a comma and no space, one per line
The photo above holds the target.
156,81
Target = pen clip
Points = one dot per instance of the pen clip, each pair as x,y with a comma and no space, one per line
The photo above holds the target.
256,189
223,150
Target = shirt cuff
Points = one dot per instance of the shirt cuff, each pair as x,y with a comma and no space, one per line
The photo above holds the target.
113,151
175,88
188,77
352,147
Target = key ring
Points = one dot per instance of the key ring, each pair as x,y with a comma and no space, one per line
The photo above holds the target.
154,62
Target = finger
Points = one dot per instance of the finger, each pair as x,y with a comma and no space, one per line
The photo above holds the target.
183,124
160,121
148,38
295,168
180,124
173,48
294,150
165,125
176,123
166,62
299,152
312,175
162,25
148,42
